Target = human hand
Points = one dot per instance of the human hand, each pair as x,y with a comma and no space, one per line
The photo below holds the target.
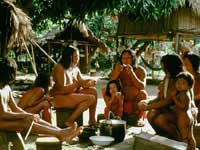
88,83
118,94
92,82
142,105
76,85
32,117
128,68
48,98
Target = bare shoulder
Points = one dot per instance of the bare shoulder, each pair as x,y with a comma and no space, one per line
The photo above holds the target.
140,71
37,89
57,69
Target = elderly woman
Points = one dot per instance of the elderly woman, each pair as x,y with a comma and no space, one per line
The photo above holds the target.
191,63
133,81
161,115
71,90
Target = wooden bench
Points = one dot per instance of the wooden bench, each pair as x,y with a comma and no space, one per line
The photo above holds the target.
197,134
62,114
50,143
145,141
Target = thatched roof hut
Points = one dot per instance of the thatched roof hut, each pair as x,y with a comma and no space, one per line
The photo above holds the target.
15,26
77,34
183,21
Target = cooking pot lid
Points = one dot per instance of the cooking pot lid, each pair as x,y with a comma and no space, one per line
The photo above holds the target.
112,121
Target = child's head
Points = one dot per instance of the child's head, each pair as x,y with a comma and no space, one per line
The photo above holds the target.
184,81
112,87
42,80
8,70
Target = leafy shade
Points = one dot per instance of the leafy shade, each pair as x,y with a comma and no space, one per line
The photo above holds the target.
41,11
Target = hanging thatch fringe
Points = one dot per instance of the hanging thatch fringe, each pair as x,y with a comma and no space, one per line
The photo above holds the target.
35,43
20,26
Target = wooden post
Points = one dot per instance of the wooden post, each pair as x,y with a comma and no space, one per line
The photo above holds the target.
177,49
49,53
86,57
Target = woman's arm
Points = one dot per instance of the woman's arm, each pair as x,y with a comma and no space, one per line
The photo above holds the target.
138,78
116,72
158,104
182,100
16,113
85,83
120,106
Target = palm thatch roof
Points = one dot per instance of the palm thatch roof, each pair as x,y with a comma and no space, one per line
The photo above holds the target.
75,31
182,21
195,5
15,26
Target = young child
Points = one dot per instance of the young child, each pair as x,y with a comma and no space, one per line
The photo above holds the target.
13,118
183,108
113,99
35,100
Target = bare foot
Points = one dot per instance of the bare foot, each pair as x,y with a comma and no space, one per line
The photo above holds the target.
76,133
70,124
69,133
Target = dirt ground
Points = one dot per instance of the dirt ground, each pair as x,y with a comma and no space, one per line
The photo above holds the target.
151,89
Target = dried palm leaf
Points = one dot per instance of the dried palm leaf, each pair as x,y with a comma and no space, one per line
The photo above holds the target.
21,27
195,4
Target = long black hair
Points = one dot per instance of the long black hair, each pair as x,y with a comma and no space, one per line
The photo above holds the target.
67,56
116,82
133,57
194,60
173,64
8,70
42,80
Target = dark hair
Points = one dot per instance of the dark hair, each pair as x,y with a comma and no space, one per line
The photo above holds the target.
173,64
67,56
42,80
133,57
187,76
8,70
111,82
194,60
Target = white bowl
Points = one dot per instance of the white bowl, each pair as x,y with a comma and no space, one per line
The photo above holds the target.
102,140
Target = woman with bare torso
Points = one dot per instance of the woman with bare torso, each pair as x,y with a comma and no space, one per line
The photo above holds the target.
133,80
71,90
161,115
192,63
36,100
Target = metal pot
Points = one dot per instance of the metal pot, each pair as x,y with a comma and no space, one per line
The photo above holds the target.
86,133
114,128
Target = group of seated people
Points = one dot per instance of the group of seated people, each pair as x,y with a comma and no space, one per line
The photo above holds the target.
173,112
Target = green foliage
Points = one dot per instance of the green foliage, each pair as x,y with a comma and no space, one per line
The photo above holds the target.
104,62
152,9
43,11
103,27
